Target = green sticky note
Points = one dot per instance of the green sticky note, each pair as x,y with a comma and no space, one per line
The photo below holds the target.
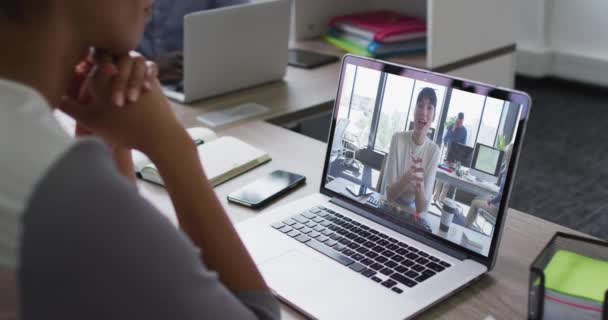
578,276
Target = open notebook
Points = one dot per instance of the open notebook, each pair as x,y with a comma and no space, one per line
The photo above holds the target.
222,158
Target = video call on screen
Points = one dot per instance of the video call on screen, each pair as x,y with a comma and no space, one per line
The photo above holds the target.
422,154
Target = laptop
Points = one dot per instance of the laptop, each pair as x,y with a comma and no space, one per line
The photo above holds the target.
343,255
232,48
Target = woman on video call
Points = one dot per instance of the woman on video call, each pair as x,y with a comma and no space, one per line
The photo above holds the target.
411,163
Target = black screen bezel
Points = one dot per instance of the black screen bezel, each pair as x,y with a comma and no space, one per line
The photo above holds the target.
513,96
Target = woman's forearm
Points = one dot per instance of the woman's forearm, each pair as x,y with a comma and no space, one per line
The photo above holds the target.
202,217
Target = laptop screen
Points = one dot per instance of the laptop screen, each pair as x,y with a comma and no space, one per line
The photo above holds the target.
393,135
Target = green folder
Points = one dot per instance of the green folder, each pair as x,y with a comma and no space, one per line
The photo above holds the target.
348,46
577,276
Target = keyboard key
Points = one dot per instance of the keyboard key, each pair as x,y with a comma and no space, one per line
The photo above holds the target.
335,237
435,267
403,280
382,242
376,266
376,279
395,289
347,219
388,253
381,259
357,267
286,229
401,269
367,261
423,254
433,259
382,235
325,223
353,245
330,218
351,236
303,238
327,232
322,214
363,250
398,258
293,233
408,263
369,244
297,226
289,222
341,231
364,227
373,231
310,224
373,238
372,254
391,264
428,272
348,226
378,249
318,228
412,256
344,241
392,246
386,271
355,223
318,219
306,230
357,256
368,272
402,251
422,277
418,268
339,247
322,238
412,249
393,240
445,264
330,252
389,283
308,215
315,210
411,274
335,213
360,240
365,234
278,225
314,234
300,219
422,261
330,243
347,252
402,245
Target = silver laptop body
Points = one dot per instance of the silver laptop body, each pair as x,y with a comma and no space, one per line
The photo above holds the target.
232,48
324,283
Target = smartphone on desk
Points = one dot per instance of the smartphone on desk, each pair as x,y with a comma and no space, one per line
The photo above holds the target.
266,189
309,59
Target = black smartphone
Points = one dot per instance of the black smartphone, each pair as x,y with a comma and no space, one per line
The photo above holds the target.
309,59
262,191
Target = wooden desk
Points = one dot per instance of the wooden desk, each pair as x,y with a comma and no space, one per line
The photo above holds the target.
502,293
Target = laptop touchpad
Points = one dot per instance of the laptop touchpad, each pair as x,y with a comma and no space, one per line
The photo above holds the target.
295,274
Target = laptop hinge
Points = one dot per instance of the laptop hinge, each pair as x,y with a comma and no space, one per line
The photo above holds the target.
407,232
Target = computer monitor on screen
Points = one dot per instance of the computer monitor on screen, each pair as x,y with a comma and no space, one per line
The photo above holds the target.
486,163
460,153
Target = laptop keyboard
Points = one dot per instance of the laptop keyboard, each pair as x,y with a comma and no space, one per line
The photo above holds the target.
364,250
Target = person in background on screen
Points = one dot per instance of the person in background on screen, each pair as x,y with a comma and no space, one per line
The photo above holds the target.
457,133
411,164
164,35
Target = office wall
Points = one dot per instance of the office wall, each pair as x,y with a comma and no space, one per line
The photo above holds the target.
564,38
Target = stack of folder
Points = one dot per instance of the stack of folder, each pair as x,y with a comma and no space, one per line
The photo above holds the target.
575,286
378,34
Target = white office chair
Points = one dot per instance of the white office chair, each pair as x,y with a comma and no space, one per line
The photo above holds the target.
341,148
488,221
